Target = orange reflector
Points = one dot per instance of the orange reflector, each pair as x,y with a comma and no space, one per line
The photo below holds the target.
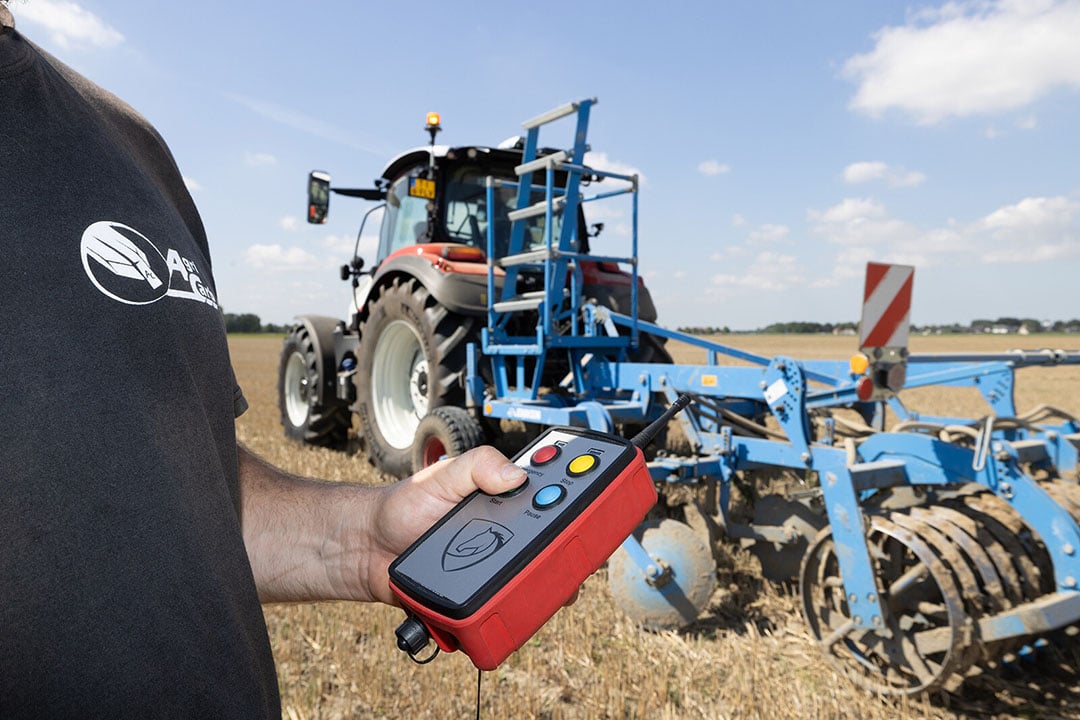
864,388
433,119
859,363
463,253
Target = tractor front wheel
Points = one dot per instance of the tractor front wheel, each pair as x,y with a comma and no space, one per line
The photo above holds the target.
447,431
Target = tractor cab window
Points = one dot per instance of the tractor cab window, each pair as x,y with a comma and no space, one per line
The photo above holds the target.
467,215
405,222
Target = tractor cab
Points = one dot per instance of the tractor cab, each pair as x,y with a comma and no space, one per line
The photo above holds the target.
439,195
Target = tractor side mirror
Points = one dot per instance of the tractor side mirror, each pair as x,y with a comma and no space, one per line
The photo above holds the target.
318,197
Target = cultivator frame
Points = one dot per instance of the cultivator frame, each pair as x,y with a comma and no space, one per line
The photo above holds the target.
923,552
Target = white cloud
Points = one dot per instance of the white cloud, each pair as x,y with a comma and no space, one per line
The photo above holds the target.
713,167
768,234
1027,123
730,253
69,25
1035,229
969,57
737,220
906,178
858,230
768,272
341,247
275,257
289,223
865,230
193,185
862,172
1033,213
849,210
259,160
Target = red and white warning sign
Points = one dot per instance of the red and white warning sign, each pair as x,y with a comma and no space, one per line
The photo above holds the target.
886,306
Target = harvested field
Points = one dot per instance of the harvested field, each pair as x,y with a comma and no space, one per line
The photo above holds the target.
749,656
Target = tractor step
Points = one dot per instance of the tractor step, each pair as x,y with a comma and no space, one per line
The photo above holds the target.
554,160
524,301
553,115
534,257
539,208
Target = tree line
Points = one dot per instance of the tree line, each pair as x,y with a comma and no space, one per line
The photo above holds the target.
249,323
1004,325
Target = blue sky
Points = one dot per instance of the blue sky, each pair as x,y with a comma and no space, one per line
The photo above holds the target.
781,145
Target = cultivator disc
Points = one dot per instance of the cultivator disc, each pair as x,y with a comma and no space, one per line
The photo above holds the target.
680,593
941,568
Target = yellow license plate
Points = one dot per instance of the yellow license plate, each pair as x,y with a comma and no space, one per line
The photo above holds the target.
421,188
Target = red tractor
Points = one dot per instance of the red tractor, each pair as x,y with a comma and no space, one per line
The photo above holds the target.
400,353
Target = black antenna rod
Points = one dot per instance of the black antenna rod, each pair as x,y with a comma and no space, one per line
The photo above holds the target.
645,437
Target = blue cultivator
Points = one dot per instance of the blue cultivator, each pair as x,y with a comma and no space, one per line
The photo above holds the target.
922,553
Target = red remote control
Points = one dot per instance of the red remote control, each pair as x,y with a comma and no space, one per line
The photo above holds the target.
488,575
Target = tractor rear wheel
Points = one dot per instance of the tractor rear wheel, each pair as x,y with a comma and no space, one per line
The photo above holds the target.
411,360
325,423
651,349
447,431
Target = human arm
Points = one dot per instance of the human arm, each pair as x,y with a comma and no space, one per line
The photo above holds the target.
314,540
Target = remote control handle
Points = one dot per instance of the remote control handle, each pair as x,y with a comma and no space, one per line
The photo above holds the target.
644,437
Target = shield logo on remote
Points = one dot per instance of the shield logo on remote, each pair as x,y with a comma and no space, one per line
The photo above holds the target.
478,540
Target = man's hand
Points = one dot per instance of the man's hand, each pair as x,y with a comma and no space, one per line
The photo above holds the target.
407,509
312,540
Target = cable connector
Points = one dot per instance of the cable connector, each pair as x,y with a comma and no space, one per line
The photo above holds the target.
412,637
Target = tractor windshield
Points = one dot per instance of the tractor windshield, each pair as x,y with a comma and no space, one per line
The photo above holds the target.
467,214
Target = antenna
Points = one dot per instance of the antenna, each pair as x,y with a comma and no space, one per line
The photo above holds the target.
644,437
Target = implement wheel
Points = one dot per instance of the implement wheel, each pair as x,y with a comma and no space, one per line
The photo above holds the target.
680,593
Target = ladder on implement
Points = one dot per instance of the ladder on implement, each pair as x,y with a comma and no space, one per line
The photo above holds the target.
563,321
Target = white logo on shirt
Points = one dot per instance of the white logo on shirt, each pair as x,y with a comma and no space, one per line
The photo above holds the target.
123,264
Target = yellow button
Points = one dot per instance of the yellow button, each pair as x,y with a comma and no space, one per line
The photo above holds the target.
581,464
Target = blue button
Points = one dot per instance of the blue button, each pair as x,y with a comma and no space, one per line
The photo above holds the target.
548,496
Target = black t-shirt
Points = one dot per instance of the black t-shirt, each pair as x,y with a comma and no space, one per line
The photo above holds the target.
125,590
